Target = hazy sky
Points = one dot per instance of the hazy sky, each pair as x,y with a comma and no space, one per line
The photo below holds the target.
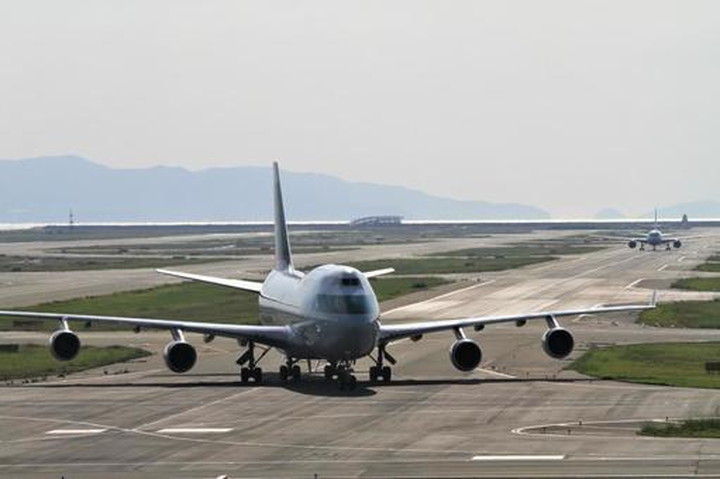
567,105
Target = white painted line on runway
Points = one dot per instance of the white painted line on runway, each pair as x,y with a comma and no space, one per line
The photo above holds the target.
451,293
681,259
634,283
662,268
502,375
195,430
76,431
519,458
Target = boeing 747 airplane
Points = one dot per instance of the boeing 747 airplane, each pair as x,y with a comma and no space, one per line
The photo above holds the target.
330,313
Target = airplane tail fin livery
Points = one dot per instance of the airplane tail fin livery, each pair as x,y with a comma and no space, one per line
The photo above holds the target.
283,256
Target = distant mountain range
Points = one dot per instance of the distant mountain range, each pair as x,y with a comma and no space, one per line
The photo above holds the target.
45,190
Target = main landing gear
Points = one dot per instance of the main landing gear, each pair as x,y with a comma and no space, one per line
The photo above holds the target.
380,371
251,371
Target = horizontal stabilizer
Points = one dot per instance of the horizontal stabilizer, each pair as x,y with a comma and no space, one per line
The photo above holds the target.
230,283
378,272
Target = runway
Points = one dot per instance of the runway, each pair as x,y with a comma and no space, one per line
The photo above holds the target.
139,420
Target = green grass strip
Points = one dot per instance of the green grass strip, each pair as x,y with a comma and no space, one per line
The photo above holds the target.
684,314
709,267
707,428
698,284
672,364
32,361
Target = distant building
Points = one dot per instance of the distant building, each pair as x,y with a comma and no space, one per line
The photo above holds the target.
377,221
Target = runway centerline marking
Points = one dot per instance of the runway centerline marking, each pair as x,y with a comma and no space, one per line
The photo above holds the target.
489,371
195,430
558,457
451,293
76,431
662,268
634,283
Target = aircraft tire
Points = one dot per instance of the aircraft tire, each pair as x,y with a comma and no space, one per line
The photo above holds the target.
295,372
386,374
283,373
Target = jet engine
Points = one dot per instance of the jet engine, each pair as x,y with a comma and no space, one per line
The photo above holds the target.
64,345
179,356
677,244
558,343
465,354
632,244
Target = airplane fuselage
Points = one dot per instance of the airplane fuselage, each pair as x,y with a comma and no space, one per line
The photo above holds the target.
332,312
654,238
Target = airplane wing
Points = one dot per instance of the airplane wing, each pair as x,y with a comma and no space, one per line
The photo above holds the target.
275,336
620,238
394,332
378,272
251,286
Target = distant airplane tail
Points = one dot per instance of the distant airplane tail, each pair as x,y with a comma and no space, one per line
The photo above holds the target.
656,221
283,256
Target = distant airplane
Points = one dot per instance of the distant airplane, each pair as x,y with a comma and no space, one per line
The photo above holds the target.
330,314
655,238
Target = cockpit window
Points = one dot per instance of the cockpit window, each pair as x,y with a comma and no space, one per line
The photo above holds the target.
343,303
350,281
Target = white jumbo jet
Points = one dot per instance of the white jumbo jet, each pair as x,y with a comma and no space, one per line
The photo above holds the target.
656,238
330,314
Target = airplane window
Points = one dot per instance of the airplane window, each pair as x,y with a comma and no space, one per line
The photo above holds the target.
351,281
343,304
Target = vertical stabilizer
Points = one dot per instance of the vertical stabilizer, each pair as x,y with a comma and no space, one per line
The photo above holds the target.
283,257
656,223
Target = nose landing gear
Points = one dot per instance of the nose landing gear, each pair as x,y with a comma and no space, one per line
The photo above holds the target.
343,371
290,370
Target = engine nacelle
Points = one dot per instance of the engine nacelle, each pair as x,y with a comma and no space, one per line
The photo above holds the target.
180,356
465,354
677,244
632,244
64,345
558,343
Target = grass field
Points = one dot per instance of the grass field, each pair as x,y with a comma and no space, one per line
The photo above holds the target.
188,301
32,361
698,284
709,428
710,267
15,264
672,364
684,314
